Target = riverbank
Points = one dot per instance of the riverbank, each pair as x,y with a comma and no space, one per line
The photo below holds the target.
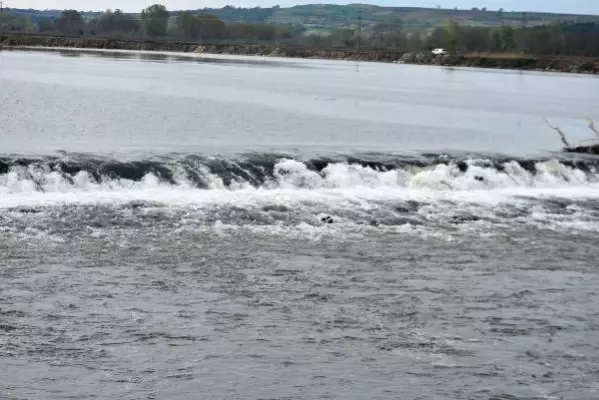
482,60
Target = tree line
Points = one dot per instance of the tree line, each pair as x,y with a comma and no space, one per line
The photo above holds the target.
154,22
157,23
556,38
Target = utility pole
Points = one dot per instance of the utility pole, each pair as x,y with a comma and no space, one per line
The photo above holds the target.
359,26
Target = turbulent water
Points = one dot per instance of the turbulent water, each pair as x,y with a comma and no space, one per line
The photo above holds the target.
148,251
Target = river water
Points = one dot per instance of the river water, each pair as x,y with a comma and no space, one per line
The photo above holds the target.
183,227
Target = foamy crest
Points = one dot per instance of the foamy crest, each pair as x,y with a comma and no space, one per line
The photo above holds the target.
293,175
472,194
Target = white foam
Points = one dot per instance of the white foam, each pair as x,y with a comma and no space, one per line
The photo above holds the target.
338,187
151,190
292,174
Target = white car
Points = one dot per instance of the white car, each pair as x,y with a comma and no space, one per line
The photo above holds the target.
439,52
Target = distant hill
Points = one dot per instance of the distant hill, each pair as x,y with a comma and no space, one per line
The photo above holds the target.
327,16
37,14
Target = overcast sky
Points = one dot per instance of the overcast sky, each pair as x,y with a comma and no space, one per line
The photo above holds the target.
567,6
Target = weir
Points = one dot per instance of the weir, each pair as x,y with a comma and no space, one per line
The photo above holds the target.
271,171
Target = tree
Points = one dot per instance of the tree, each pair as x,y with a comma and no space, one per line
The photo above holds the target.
415,42
46,24
186,26
70,22
557,42
388,35
474,38
343,37
154,20
436,38
210,27
508,37
252,32
19,23
198,27
116,22
452,32
495,39
539,40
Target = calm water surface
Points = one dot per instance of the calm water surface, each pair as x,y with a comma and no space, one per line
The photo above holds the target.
92,103
189,227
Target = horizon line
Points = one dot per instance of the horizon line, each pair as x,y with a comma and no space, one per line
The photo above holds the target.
314,4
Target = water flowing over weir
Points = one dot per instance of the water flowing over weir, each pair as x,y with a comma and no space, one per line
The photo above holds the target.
375,190
235,230
186,274
277,171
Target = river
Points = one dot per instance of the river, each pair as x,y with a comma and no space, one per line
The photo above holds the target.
185,226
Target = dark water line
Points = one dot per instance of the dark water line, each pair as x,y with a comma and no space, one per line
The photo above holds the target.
257,169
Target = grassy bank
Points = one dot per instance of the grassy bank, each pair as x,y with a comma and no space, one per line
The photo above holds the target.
482,60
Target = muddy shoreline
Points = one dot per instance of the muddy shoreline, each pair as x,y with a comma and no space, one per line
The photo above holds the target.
499,61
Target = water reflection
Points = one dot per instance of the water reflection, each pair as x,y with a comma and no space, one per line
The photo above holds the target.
156,57
67,53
